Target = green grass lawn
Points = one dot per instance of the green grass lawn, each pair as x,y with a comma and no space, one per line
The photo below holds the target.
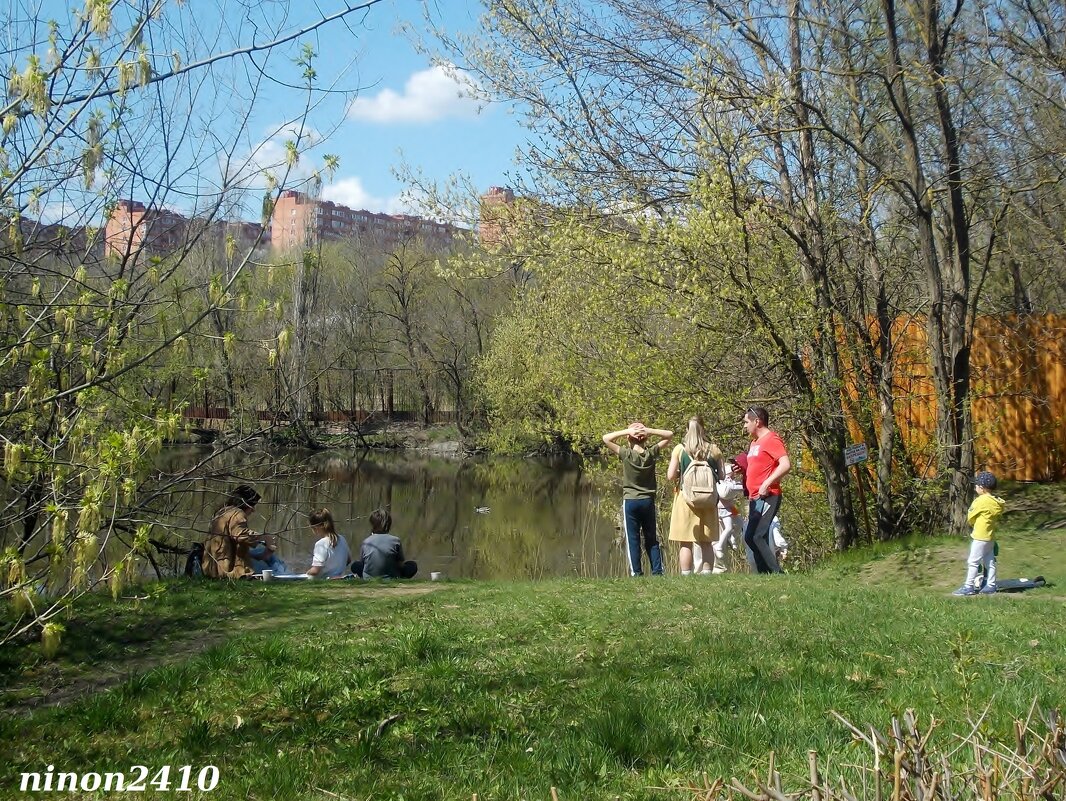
1032,541
601,688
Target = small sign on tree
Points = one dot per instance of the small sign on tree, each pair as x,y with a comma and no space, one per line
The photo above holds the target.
853,454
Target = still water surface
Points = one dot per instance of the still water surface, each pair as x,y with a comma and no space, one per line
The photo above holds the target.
485,518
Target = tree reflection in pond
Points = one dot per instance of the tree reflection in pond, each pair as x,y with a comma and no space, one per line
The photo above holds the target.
544,518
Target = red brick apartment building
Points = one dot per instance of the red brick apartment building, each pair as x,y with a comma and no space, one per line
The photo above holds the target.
497,207
298,218
134,228
56,239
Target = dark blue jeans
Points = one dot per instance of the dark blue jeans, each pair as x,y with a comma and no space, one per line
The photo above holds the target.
638,520
406,570
757,534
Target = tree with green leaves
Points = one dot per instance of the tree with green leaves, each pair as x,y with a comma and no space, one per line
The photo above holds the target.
872,144
104,104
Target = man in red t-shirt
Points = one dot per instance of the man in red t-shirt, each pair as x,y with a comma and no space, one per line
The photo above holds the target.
768,463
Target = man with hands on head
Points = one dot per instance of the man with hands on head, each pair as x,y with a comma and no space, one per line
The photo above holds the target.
638,491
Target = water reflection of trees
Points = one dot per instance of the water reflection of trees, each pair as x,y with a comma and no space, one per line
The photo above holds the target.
545,518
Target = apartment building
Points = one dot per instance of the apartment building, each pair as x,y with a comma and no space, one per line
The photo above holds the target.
133,229
299,219
496,213
63,241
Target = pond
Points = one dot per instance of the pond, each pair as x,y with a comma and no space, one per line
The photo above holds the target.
486,517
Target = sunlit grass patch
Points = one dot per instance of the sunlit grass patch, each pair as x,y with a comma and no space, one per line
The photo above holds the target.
597,687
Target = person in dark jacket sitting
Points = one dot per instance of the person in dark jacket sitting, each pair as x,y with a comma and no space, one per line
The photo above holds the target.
381,554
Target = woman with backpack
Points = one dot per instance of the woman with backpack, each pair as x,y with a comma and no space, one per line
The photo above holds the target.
695,466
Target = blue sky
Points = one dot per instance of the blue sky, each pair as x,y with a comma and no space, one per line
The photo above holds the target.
406,111
391,105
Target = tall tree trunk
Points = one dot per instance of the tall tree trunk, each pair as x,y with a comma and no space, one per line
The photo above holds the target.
304,297
960,451
826,429
1023,304
947,321
886,424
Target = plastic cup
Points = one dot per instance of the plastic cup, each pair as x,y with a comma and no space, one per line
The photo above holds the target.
436,576
268,575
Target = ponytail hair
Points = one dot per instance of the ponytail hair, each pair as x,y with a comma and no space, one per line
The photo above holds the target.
323,518
695,439
697,445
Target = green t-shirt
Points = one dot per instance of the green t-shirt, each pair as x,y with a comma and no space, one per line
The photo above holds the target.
638,471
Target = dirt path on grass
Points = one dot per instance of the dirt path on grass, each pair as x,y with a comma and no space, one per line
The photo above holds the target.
55,685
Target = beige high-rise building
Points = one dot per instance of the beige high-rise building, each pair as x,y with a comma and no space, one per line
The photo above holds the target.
133,227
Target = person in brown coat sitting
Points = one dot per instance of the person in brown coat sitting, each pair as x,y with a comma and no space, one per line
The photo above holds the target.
226,547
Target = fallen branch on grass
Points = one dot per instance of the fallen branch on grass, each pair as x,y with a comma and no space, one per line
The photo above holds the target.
912,764
386,723
909,764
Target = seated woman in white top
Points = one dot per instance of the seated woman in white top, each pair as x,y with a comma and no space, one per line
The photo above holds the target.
331,555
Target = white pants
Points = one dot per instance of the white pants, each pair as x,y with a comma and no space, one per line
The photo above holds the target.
981,554
727,527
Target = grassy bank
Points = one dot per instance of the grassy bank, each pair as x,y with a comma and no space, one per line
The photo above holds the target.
1032,534
599,688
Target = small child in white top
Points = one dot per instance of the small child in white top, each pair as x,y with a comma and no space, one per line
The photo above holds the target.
730,491
331,556
777,540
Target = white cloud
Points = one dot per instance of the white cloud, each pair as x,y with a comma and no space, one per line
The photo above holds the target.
350,192
271,154
60,211
429,95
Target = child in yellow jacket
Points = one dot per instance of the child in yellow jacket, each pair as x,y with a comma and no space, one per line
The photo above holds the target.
982,515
